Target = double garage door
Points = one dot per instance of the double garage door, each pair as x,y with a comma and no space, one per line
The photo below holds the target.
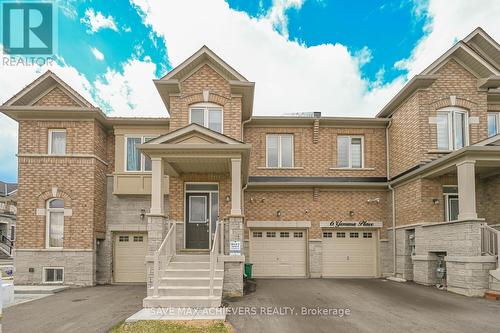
129,257
283,253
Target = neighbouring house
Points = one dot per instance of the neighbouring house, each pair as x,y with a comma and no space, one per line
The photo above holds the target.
182,202
8,211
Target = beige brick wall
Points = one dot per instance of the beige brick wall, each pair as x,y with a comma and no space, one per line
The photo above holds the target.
412,138
317,159
328,205
56,97
80,181
488,198
191,92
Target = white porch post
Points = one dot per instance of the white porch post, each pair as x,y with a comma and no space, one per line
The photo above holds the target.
466,190
235,186
157,171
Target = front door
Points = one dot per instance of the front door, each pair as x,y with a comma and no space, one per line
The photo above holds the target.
197,220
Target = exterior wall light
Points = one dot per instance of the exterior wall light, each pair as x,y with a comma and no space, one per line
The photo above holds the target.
278,213
227,198
435,201
351,213
307,211
143,213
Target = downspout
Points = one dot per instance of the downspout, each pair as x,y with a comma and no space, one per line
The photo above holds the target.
393,199
246,185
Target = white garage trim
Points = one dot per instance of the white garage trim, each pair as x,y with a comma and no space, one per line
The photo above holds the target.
279,224
129,257
279,253
350,252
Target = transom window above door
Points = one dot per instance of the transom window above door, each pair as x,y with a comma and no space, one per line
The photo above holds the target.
279,151
134,160
207,115
452,129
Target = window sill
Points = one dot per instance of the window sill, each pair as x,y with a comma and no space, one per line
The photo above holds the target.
439,151
272,168
351,169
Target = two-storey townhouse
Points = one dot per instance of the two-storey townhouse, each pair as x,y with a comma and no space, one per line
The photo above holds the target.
182,202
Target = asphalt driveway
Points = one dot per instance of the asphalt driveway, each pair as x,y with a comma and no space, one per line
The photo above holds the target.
375,306
86,310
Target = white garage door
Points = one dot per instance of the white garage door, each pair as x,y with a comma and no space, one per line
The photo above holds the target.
349,253
129,257
278,253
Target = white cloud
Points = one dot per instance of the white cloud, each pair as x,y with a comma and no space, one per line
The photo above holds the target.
289,76
277,14
131,92
97,21
448,24
97,54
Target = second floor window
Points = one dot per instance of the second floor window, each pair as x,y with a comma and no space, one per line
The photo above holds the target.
349,151
134,160
451,129
207,115
57,141
279,151
493,123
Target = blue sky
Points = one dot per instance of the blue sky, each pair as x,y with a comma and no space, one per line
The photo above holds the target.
342,58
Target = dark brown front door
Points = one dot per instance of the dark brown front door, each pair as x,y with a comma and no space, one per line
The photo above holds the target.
197,220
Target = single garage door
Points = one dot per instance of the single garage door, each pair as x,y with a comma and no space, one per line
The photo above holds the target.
129,257
278,253
349,253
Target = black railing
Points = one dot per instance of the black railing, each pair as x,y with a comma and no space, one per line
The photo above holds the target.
9,244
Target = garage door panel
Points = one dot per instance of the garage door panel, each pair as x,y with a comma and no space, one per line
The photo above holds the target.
129,257
278,256
345,255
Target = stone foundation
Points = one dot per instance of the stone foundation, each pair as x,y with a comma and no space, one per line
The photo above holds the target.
79,266
233,275
385,258
469,275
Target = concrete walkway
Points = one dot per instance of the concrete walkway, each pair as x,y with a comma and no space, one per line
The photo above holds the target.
375,306
93,309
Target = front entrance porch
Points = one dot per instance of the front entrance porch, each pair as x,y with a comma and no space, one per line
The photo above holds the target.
188,262
456,243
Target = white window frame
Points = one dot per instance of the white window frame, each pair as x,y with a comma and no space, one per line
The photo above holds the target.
497,120
350,151
143,138
447,202
206,114
450,111
52,282
279,152
47,223
57,130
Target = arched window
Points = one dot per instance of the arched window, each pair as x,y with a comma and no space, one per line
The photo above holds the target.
452,128
207,115
55,223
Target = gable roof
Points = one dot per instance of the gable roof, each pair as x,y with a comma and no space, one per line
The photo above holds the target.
170,83
41,86
204,55
196,129
478,53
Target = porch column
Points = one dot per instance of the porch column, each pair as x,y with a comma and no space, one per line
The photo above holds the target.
157,195
466,190
235,186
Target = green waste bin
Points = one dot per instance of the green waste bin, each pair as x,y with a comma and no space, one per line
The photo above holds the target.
248,270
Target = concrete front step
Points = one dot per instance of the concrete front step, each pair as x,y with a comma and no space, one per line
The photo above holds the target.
191,257
188,291
495,286
192,272
190,281
189,265
182,301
